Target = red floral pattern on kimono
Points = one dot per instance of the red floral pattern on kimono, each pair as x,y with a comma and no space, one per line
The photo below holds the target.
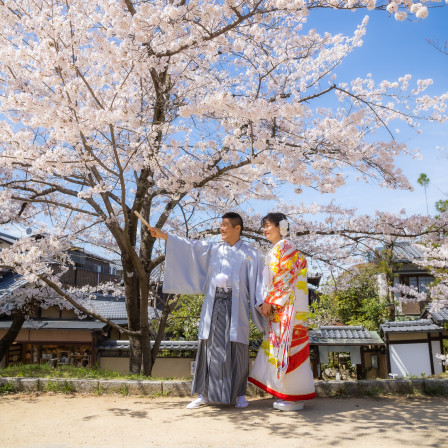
288,263
282,366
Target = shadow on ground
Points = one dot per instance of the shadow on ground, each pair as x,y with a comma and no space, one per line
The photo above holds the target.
389,420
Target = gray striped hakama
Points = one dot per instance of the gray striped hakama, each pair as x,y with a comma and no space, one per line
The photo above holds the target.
222,366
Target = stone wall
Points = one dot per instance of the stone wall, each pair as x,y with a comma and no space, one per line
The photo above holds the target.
369,388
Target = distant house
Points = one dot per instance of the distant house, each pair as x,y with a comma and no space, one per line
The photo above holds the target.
365,348
409,274
90,269
412,347
57,334
6,240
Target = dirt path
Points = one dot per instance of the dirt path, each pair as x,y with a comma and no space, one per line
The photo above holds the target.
56,421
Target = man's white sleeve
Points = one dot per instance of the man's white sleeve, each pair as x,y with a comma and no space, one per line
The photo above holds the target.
186,264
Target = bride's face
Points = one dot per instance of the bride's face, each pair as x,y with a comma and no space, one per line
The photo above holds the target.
271,232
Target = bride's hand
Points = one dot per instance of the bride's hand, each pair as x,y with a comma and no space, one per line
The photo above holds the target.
265,309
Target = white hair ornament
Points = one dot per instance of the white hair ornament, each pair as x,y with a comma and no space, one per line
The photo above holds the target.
283,224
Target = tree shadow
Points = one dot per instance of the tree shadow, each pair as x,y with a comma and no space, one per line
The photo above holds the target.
336,421
125,412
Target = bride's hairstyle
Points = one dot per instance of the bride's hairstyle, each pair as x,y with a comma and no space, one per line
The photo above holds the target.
275,219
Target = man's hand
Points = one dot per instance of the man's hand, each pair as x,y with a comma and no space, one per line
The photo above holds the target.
157,233
265,309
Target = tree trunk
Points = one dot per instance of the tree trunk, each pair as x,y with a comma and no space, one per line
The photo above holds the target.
135,355
167,308
133,311
13,331
144,328
391,297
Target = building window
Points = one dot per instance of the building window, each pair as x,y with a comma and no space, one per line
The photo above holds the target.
419,282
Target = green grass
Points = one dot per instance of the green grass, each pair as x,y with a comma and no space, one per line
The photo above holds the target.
440,376
7,388
46,371
124,390
58,386
52,386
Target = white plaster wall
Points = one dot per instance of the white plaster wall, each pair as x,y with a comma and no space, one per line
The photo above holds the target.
438,368
410,359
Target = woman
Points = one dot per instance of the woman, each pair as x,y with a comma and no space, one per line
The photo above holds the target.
282,366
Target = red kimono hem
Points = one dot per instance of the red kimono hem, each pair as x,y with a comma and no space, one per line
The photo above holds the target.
280,395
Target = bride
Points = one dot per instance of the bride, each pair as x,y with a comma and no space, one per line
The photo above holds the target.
282,366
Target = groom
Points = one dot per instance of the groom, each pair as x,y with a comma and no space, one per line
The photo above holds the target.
229,273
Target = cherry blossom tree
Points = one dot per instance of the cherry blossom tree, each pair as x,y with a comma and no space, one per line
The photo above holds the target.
180,110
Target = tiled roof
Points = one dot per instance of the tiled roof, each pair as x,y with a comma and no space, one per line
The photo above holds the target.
164,345
410,326
344,335
339,332
10,281
406,252
157,273
112,308
439,317
56,324
108,306
90,254
7,238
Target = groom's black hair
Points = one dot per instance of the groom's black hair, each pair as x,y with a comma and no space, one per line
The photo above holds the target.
235,219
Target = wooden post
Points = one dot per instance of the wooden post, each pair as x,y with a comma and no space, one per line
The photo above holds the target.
318,366
441,349
389,368
431,360
360,375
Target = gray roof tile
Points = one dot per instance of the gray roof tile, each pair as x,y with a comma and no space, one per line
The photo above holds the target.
164,345
344,335
439,317
8,238
410,326
404,251
112,308
10,281
108,306
315,339
56,324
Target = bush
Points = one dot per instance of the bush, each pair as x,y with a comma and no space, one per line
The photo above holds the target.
46,371
6,389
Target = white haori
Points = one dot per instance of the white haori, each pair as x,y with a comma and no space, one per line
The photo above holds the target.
192,267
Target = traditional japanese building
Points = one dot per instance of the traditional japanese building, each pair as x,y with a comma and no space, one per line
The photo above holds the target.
57,334
412,347
363,348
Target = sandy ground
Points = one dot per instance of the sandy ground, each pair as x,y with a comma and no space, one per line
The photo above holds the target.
56,421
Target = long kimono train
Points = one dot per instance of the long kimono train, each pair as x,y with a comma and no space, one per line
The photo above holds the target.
282,366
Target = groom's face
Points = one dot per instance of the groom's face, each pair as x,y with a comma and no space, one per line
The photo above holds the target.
229,233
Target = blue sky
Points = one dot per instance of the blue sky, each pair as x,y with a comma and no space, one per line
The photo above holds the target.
392,49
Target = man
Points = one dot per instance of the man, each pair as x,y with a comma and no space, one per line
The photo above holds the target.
229,273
